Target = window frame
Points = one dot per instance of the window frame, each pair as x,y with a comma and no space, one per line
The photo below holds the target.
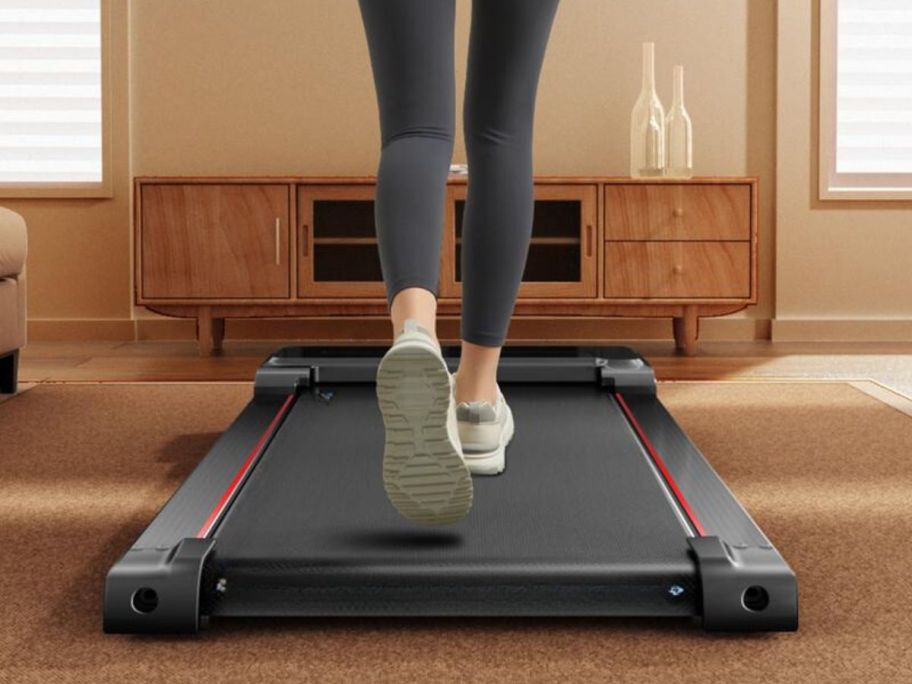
76,189
844,186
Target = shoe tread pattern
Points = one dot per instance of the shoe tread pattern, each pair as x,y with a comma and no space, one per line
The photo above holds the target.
424,473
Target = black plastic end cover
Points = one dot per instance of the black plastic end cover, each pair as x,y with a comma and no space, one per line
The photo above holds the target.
157,590
745,588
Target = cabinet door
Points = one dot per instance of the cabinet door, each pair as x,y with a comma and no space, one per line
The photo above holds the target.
209,241
337,242
562,256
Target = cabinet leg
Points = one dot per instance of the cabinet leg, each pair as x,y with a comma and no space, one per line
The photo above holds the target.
686,329
218,333
204,330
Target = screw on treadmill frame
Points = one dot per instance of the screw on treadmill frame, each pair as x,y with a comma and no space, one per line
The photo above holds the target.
675,590
222,585
326,396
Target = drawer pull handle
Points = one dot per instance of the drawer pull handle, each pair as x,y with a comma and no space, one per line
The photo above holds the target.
278,241
304,247
678,211
678,269
588,239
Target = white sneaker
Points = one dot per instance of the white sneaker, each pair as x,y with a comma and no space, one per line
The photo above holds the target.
485,431
424,473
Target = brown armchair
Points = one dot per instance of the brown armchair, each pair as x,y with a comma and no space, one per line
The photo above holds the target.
13,249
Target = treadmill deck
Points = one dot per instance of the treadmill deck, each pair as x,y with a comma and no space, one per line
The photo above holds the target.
576,505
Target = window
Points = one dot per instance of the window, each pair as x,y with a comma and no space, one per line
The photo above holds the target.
52,99
866,99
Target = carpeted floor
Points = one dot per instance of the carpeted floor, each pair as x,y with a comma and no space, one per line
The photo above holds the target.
825,469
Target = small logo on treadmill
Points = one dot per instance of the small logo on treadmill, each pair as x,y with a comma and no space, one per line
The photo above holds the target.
675,590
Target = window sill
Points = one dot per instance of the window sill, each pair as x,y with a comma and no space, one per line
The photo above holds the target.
56,190
866,193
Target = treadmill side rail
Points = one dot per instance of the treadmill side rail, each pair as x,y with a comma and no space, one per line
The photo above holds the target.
281,380
157,590
630,376
746,588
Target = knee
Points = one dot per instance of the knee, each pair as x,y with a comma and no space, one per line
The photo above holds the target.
490,137
499,122
441,132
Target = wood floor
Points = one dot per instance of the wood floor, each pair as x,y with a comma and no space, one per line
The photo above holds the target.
887,363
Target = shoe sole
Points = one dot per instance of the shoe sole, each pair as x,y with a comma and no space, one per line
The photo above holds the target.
424,473
491,462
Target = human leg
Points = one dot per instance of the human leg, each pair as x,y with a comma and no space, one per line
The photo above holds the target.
507,45
411,49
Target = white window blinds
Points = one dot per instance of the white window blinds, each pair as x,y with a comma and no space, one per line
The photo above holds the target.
874,87
50,91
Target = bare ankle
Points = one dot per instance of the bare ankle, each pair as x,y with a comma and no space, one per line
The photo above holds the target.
476,379
469,388
416,303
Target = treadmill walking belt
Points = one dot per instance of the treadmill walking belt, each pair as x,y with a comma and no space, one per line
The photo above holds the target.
581,507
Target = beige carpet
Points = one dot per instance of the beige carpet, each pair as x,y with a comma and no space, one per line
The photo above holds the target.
824,468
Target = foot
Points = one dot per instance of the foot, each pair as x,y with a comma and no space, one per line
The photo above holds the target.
424,473
485,429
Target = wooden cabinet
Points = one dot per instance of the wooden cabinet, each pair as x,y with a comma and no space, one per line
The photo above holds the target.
216,248
337,243
338,255
563,251
689,242
213,241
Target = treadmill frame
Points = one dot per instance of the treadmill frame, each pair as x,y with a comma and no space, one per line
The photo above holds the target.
167,581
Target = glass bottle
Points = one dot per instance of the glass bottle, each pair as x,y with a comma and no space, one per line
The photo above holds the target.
679,131
647,124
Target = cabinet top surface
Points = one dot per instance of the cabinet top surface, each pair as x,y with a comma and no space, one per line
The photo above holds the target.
452,178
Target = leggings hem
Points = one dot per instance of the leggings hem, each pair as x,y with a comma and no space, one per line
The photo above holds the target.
396,287
483,340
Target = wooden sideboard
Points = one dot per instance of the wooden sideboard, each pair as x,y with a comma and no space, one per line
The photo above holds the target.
217,248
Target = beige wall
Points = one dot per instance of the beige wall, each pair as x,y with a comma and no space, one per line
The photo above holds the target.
284,87
79,255
844,268
280,87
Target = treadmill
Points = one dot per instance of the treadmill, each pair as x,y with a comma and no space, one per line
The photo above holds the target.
605,508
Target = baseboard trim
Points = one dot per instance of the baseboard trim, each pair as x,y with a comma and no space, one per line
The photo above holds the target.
377,328
80,329
841,330
522,329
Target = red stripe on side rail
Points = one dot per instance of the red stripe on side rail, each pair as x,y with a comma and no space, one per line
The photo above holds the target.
242,471
660,464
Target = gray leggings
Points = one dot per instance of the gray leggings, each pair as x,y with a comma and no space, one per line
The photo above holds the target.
411,50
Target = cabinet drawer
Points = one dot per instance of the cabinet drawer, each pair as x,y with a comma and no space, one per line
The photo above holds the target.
677,211
677,269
